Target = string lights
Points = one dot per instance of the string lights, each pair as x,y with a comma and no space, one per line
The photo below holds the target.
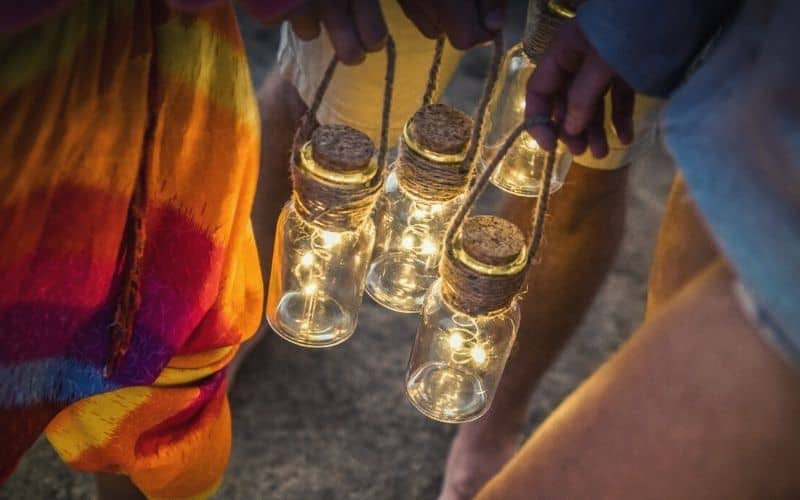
470,316
324,236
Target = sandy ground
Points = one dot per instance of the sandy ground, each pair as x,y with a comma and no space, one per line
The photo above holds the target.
334,424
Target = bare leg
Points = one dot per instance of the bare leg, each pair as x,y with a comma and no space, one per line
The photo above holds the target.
116,487
693,406
684,248
581,238
281,108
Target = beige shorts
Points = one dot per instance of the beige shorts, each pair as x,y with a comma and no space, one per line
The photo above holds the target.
646,111
355,94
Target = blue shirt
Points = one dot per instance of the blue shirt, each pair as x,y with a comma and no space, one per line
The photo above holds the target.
733,126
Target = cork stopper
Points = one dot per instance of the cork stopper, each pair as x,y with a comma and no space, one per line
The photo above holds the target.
335,179
441,129
341,149
492,240
432,162
484,268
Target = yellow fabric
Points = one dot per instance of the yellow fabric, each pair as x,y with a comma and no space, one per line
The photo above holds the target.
645,116
92,99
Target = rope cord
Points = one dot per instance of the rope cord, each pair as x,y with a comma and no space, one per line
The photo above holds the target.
433,72
335,206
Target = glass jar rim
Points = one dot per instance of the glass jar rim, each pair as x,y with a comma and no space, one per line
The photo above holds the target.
558,8
449,158
513,267
327,176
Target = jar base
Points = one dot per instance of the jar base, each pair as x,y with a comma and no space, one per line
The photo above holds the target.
399,283
447,394
526,182
311,320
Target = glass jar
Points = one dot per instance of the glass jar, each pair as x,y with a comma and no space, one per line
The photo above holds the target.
408,244
324,238
520,172
458,359
422,193
469,321
317,280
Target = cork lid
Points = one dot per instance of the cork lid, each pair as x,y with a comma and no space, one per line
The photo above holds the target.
491,240
441,129
341,149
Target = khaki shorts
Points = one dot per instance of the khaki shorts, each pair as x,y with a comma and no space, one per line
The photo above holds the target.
355,94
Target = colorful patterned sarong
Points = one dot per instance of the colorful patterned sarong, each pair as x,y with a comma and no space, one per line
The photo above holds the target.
93,100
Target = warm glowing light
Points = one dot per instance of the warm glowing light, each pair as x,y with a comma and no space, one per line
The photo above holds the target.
330,239
529,142
455,341
429,247
437,208
307,259
419,213
310,289
407,242
478,354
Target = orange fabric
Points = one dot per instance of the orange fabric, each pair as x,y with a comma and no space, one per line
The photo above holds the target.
77,93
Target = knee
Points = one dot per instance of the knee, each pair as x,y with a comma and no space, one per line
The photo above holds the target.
279,101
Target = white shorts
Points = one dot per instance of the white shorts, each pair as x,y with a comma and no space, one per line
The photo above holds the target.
355,95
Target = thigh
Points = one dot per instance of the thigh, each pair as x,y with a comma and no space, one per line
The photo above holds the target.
694,406
684,247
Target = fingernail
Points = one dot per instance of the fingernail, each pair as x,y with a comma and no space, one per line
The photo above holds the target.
495,19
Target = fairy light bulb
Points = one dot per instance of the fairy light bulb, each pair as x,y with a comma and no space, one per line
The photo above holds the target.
461,348
320,258
422,192
520,172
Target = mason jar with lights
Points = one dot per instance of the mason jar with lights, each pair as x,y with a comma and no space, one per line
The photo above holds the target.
423,190
520,172
324,239
469,322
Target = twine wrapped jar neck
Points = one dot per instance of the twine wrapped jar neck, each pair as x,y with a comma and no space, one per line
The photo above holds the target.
484,268
335,178
432,161
544,18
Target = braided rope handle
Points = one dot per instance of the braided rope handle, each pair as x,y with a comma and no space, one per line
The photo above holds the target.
537,219
486,95
483,105
308,121
433,72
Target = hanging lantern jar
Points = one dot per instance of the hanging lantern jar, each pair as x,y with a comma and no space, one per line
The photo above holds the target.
424,189
520,173
324,235
470,316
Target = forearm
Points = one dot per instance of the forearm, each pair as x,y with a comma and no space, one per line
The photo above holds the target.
651,43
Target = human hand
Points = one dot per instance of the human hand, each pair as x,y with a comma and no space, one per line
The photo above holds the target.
569,85
466,23
354,27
